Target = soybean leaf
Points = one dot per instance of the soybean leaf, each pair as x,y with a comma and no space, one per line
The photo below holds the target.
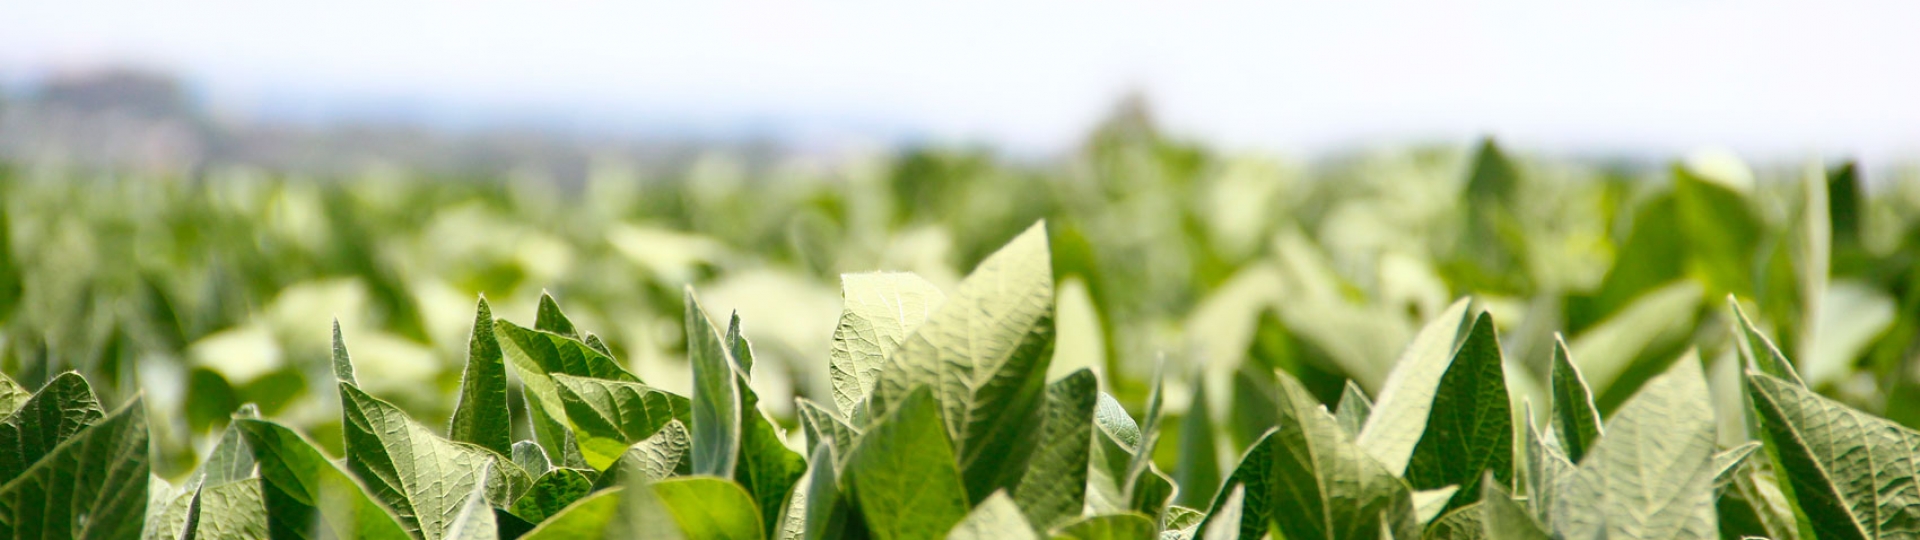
829,511
984,353
607,416
996,518
229,510
1470,428
1183,518
716,396
880,310
1253,407
656,458
1309,479
1406,399
552,434
1547,470
549,318
61,409
531,458
1053,486
1760,352
1461,524
1431,503
481,415
552,491
1652,475
738,344
1353,409
1225,519
708,508
1574,418
1505,519
585,518
423,478
12,396
1128,526
822,425
903,471
91,485
766,467
1198,469
306,494
342,362
1854,475
475,518
535,353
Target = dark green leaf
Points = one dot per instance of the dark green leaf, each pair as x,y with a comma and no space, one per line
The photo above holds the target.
552,491
1053,486
481,415
1575,419
92,485
549,318
1854,475
1470,429
62,408
903,471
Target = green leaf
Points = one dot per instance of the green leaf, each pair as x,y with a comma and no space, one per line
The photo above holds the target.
716,396
305,492
1431,503
607,416
534,354
553,435
1547,470
1253,407
531,458
1758,351
828,512
880,311
1128,526
1721,230
1198,469
1224,522
91,485
229,510
1053,486
1400,414
1461,524
1505,519
481,415
61,409
1574,418
424,478
984,353
766,467
708,508
656,458
1635,343
342,363
549,318
585,518
552,491
1853,475
1306,477
1470,428
739,346
12,396
1353,409
475,518
904,473
822,425
996,518
1652,475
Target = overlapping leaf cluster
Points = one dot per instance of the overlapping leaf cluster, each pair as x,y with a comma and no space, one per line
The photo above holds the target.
945,425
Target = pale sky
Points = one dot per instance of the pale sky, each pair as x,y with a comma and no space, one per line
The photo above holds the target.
1773,80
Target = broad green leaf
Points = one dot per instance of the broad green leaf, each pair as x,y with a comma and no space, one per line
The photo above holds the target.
996,518
984,353
1353,409
552,434
1652,475
903,471
475,518
1128,526
656,458
1198,470
306,494
61,409
531,458
534,354
1854,475
1852,314
1406,399
481,415
829,512
716,396
642,514
1505,519
549,318
1224,522
422,477
1461,524
92,485
585,518
1306,477
880,310
229,510
552,491
1053,486
1469,430
607,416
822,425
766,467
709,508
1575,419
1758,351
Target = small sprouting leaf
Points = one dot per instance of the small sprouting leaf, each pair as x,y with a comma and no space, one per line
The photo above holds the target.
92,485
609,415
1470,427
304,491
61,409
422,477
903,471
1053,486
1760,352
1575,419
1400,413
738,344
1854,475
549,318
995,518
656,458
1547,470
1127,526
552,491
1651,475
716,396
342,363
984,354
881,310
481,415
1353,409
708,508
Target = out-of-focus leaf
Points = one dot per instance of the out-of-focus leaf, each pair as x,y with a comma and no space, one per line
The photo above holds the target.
1224,522
1198,470
62,408
903,471
90,485
1400,414
1128,526
1720,228
995,518
1573,416
1853,475
1053,486
1634,343
1505,519
481,415
1470,429
1851,316
708,508
880,311
1652,475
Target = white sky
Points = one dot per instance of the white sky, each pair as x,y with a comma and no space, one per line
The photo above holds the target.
1768,79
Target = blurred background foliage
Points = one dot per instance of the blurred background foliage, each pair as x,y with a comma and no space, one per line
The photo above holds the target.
213,286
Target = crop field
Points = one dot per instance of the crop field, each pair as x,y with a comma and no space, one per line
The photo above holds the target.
1146,339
